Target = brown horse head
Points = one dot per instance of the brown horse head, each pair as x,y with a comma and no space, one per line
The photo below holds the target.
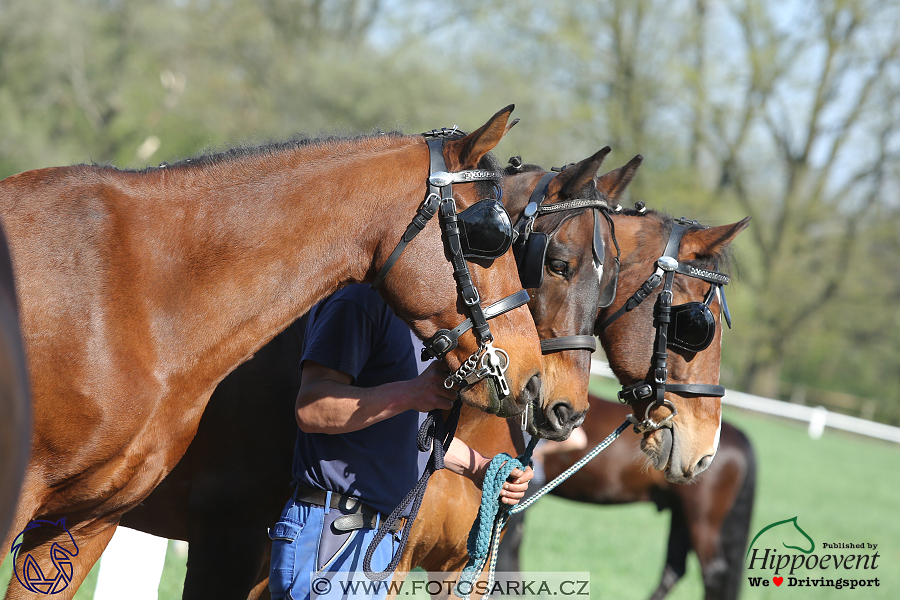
573,272
687,444
430,275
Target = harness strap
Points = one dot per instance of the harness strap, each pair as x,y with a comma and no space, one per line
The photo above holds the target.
436,434
709,276
573,204
639,296
425,213
568,342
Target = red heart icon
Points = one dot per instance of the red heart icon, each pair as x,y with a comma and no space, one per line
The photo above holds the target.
778,580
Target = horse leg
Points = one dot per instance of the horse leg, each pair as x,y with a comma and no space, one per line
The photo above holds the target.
705,527
676,554
63,571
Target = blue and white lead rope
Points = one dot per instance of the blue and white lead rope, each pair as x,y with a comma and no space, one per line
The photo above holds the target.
484,538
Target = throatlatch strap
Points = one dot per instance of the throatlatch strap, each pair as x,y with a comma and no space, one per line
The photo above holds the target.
426,211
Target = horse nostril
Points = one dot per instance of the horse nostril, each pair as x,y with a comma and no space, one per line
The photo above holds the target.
703,464
532,390
563,413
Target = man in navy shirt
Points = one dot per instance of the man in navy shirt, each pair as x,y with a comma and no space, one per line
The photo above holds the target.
360,405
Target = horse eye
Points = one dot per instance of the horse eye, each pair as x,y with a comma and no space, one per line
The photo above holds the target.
558,266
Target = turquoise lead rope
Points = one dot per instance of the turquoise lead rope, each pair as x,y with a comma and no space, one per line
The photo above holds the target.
484,537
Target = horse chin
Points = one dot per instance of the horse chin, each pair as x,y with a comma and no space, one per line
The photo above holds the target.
658,446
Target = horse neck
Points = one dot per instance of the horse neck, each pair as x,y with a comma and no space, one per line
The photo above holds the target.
250,245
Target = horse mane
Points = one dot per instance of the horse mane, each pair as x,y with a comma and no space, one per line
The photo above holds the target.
373,140
214,157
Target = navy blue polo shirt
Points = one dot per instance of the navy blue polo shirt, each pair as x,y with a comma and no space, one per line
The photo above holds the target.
355,332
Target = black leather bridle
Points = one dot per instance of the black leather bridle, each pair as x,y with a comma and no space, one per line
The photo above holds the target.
530,248
487,360
656,388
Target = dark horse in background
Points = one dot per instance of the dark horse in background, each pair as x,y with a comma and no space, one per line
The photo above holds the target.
15,396
235,477
710,517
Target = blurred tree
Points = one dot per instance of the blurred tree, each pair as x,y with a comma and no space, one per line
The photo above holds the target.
787,112
801,141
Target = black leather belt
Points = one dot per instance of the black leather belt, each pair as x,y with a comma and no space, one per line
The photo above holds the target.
357,515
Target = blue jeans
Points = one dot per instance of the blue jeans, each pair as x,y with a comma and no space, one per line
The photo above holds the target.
299,572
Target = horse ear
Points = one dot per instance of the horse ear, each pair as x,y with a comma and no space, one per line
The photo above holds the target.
613,184
709,242
466,152
572,180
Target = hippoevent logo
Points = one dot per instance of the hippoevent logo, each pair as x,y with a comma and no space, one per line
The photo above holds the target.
836,564
59,571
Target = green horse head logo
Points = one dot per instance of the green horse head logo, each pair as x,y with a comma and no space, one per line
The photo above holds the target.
812,544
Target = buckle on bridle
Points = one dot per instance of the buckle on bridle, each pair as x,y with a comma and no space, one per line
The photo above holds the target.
635,393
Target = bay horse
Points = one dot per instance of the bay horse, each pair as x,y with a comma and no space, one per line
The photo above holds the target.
141,290
15,395
438,544
711,516
221,497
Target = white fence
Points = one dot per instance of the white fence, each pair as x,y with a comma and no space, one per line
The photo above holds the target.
818,417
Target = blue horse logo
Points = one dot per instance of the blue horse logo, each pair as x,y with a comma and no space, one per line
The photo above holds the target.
32,576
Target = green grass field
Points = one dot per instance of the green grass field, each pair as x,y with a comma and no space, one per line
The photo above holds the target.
842,488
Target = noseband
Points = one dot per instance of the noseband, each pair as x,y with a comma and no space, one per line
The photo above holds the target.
656,388
459,242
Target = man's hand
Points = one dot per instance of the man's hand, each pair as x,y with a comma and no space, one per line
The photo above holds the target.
329,403
516,485
463,460
427,392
